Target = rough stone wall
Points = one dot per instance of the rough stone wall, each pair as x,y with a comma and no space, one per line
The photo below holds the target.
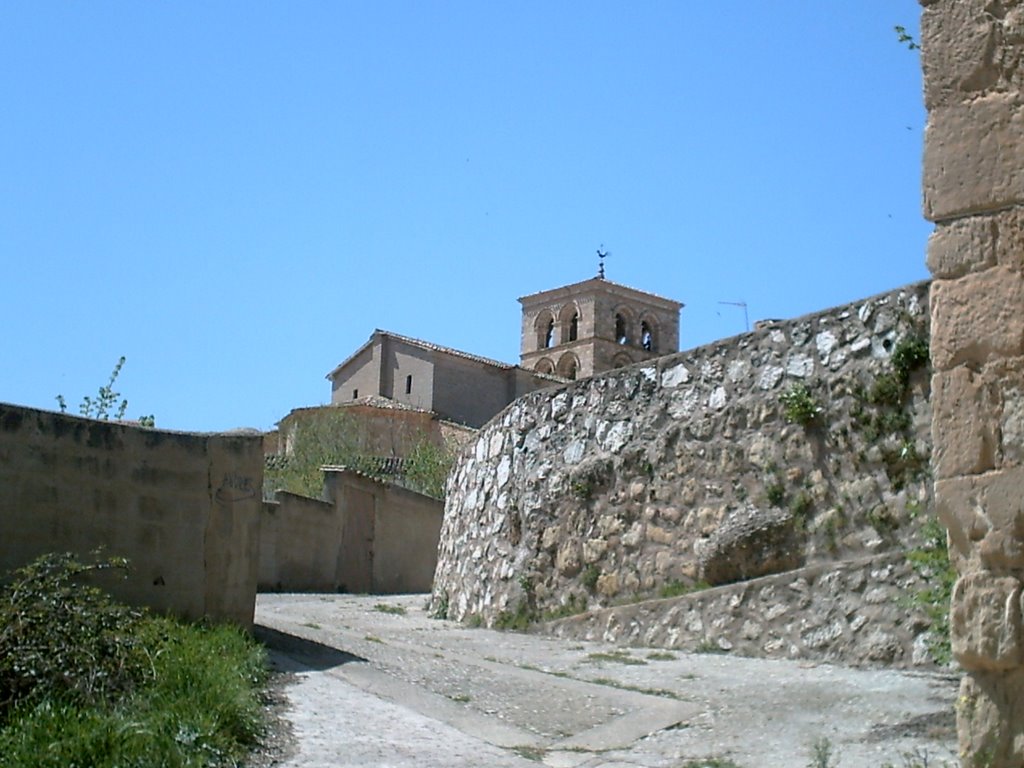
685,469
854,611
183,508
973,58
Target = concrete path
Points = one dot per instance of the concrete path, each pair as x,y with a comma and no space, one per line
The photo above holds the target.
379,683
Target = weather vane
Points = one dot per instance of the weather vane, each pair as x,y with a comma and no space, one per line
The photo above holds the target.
602,254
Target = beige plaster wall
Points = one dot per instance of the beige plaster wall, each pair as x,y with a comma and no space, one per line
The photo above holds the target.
299,545
363,374
389,535
184,508
402,360
470,392
368,537
406,534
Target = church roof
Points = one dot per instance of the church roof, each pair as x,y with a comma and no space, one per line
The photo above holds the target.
430,346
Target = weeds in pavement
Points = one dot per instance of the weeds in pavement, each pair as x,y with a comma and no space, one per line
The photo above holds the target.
618,657
822,754
396,610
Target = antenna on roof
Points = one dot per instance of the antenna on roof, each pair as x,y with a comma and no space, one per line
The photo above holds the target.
746,317
602,254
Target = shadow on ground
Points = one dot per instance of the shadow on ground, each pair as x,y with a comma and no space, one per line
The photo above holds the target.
308,653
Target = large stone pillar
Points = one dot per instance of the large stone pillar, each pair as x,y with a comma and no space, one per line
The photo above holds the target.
973,58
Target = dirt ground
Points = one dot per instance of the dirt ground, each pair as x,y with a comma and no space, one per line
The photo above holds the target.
374,681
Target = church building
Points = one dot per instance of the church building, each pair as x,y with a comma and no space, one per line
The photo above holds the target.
567,333
585,328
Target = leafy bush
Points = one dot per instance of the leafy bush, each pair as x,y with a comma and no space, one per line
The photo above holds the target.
65,639
200,706
334,437
887,389
89,682
679,588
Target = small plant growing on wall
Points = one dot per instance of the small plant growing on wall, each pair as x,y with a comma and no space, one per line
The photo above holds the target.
931,561
582,489
105,405
799,405
910,353
776,493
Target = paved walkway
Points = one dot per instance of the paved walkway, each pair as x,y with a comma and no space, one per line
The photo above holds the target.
379,683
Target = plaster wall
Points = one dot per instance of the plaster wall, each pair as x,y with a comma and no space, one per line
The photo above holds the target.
367,536
362,375
469,392
299,545
183,508
402,361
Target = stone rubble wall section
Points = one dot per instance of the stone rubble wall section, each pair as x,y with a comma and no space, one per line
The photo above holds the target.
854,612
973,61
685,469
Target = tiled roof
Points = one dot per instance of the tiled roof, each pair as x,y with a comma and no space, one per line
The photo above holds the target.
445,350
430,346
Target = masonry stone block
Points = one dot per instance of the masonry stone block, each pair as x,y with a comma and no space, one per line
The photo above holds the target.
984,515
985,622
962,424
977,318
970,157
1011,426
962,246
990,719
961,42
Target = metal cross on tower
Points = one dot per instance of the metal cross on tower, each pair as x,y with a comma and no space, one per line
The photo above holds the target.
602,254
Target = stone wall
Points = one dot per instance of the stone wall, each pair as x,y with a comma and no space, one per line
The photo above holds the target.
973,58
183,508
685,469
853,611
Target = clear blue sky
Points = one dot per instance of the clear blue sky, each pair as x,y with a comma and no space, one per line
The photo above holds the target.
233,195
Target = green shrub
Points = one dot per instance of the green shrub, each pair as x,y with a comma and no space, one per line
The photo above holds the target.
441,611
582,489
909,354
776,493
590,576
799,405
159,692
679,588
519,619
822,754
931,562
887,389
62,638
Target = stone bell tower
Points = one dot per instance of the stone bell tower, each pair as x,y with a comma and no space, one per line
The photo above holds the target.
585,328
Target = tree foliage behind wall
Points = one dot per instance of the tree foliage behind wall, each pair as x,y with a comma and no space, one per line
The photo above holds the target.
336,438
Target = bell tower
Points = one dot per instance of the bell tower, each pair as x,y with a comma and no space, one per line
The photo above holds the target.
595,325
